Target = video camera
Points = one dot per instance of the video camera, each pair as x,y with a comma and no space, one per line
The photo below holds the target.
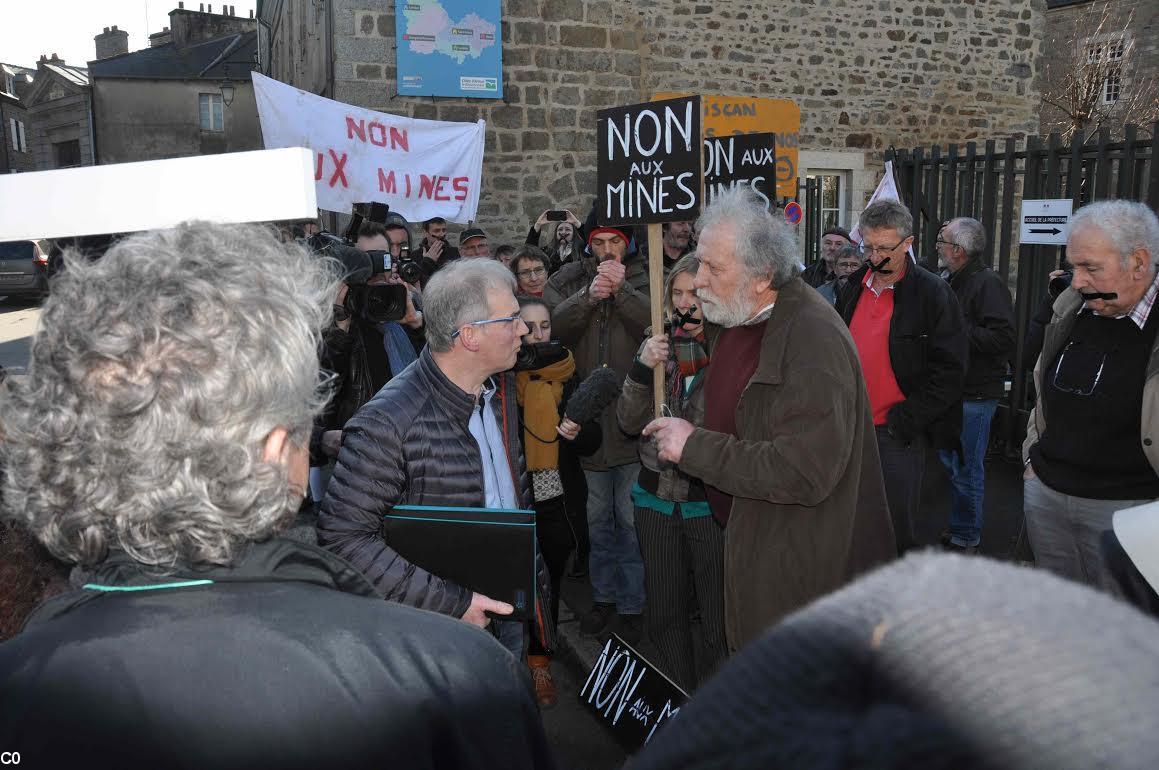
372,303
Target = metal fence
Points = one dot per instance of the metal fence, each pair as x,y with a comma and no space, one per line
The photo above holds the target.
989,186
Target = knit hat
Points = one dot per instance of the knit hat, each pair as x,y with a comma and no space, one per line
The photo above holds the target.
936,661
601,230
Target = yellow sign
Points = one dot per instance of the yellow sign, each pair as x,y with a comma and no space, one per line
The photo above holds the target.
724,115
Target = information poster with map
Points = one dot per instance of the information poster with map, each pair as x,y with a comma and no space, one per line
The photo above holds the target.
449,48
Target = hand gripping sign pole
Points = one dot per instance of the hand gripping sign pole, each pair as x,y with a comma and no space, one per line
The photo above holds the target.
649,171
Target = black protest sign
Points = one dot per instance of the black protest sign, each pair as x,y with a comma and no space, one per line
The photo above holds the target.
629,694
648,163
741,160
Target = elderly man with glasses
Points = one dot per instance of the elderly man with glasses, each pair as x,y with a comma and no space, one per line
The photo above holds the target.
443,432
1096,380
910,338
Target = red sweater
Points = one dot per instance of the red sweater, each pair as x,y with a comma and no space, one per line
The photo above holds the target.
735,355
870,330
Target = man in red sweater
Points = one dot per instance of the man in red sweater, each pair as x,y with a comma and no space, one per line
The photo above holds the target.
787,451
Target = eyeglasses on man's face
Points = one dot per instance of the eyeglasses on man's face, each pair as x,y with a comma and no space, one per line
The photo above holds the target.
883,250
506,319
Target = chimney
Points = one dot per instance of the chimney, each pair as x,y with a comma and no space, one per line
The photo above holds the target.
181,5
160,38
251,13
189,28
112,42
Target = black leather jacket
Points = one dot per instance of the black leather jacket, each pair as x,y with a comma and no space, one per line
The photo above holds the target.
928,353
289,659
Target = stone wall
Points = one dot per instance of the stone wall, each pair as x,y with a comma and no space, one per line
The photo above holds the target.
866,74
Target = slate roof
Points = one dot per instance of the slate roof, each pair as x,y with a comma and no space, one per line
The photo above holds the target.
76,75
203,61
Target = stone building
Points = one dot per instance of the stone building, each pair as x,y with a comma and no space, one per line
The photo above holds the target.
59,110
1111,48
15,153
168,100
865,73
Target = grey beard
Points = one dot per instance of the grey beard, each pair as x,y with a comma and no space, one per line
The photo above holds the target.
727,314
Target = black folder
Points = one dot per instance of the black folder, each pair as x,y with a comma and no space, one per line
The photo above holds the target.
488,550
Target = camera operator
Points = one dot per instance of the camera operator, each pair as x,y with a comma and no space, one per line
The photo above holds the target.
362,348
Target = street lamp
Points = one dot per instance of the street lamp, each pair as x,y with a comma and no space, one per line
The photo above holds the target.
227,89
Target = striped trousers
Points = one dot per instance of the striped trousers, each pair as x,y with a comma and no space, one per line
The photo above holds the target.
683,570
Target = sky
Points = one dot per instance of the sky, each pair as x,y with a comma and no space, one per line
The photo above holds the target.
67,27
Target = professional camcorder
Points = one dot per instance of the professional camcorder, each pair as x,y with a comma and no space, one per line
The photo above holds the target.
371,303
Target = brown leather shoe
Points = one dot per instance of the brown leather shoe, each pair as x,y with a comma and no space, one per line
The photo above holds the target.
540,666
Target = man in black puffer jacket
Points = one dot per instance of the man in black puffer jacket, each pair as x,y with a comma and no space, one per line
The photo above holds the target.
444,432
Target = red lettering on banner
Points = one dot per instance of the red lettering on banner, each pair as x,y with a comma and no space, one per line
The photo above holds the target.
460,185
318,168
381,140
387,183
399,139
353,128
377,134
408,185
439,194
426,186
339,166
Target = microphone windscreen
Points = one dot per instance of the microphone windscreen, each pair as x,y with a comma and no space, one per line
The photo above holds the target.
593,395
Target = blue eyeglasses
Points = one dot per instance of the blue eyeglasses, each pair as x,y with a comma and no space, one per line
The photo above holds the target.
507,319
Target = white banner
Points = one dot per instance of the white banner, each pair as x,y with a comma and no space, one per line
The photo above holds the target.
886,191
420,168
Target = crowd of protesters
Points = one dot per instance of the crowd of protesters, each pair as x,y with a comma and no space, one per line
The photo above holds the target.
173,423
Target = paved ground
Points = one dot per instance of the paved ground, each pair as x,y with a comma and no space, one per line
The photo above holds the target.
17,323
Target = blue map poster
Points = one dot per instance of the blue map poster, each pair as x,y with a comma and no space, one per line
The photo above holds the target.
449,48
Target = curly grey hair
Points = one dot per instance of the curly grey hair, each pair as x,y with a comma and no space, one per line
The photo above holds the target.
155,376
1129,224
457,295
887,215
766,246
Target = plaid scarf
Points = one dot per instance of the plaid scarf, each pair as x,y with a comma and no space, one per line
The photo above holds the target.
691,356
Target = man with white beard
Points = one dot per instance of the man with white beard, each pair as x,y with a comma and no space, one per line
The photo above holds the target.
787,451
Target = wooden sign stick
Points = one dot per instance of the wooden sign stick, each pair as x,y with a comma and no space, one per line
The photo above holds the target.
656,293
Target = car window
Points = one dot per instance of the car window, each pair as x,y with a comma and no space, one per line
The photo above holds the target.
17,250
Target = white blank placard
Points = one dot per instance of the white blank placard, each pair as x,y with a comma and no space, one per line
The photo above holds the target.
258,186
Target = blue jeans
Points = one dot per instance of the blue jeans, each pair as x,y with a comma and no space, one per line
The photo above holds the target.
615,565
968,474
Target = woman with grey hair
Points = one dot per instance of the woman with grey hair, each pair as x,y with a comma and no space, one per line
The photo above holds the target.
160,441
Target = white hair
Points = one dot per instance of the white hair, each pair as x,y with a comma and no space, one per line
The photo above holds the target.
1129,224
457,295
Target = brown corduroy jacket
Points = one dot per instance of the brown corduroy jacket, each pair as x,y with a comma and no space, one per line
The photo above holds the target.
809,510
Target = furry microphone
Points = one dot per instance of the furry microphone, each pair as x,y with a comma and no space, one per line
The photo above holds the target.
593,395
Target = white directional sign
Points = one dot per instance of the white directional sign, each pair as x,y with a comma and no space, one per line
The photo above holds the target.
1045,221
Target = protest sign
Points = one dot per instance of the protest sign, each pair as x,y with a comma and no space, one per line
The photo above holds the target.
648,162
420,168
630,695
742,160
734,115
648,172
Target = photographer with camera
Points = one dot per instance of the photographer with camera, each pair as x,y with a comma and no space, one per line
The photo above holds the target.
566,242
377,330
545,380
